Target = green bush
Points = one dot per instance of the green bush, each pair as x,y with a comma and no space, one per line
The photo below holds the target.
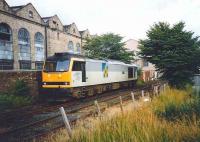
21,88
16,96
11,101
140,83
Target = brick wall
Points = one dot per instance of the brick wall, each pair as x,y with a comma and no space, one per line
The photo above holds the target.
8,79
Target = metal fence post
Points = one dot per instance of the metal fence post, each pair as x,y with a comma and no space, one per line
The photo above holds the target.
142,93
133,97
98,108
66,121
156,90
121,104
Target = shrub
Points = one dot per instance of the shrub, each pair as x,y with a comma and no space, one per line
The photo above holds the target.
12,101
16,96
140,82
21,88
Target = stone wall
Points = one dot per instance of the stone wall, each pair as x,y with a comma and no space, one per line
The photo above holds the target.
8,80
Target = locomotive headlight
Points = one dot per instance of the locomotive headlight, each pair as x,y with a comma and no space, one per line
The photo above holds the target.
45,83
67,83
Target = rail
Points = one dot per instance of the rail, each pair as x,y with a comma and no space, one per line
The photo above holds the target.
32,126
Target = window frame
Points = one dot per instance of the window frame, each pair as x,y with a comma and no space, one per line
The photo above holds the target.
130,72
6,46
23,62
70,46
75,67
30,14
78,47
145,63
24,44
39,40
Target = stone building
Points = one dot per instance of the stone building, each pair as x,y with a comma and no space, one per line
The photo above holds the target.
26,38
148,69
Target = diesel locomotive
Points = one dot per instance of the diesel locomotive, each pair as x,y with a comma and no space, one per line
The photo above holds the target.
66,74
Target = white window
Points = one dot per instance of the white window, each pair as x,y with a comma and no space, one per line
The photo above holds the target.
70,46
74,31
6,48
24,47
39,47
30,14
145,63
78,48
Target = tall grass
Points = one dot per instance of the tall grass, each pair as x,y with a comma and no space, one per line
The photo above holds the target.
165,119
176,104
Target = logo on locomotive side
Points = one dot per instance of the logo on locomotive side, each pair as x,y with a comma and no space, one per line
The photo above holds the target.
105,69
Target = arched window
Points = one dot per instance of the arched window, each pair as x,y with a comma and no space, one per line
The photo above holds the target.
30,14
70,46
6,48
24,49
39,50
78,48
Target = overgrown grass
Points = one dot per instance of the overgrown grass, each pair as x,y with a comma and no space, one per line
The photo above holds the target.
173,116
176,104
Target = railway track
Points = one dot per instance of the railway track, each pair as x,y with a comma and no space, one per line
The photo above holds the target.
41,122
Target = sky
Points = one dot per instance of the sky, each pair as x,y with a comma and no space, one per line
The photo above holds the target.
129,18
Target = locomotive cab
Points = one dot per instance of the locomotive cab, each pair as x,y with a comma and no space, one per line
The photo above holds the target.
56,74
59,69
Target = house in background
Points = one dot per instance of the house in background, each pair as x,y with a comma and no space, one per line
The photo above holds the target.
148,69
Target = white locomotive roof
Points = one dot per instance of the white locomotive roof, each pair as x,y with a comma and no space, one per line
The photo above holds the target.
66,54
110,62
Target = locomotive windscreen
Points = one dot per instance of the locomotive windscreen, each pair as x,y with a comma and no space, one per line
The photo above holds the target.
56,66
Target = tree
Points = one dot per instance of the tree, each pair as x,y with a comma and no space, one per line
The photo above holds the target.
108,46
174,51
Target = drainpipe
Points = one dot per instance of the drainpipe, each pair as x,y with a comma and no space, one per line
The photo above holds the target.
81,45
46,46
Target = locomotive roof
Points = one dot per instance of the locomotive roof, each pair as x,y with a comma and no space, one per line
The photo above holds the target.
67,56
64,56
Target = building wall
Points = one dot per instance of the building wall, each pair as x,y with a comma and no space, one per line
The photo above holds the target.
132,45
9,81
56,37
16,24
24,12
4,6
58,41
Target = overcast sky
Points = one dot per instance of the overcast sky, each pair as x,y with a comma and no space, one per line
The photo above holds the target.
129,18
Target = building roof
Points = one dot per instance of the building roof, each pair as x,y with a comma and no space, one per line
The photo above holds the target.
46,19
68,26
82,31
16,8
